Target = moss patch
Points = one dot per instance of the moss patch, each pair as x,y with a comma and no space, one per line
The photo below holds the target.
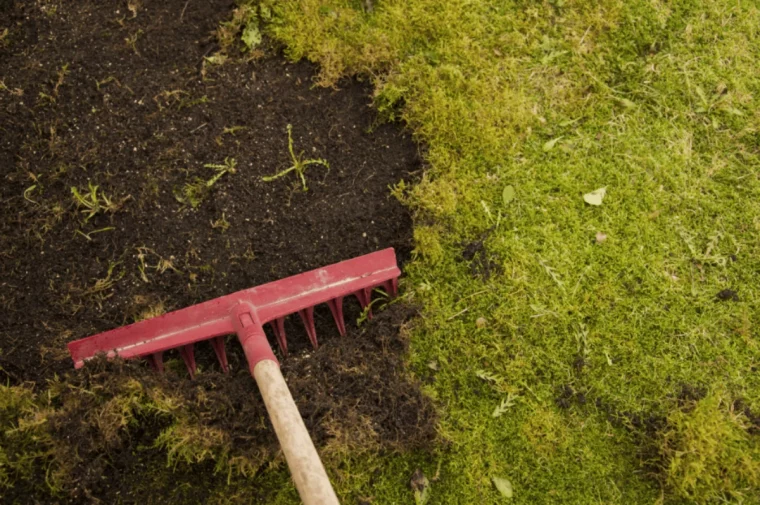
597,316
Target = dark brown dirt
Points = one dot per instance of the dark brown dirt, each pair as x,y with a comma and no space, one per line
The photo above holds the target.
482,263
95,93
143,135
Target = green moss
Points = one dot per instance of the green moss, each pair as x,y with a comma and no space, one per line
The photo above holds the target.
708,453
655,101
26,448
56,439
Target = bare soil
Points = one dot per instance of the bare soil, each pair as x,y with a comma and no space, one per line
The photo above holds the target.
121,95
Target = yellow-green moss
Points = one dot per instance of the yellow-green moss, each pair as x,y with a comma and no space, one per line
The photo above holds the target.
655,101
709,454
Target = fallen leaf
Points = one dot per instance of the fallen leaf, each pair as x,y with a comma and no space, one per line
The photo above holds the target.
508,194
421,487
626,103
480,322
549,145
595,197
503,485
600,237
433,365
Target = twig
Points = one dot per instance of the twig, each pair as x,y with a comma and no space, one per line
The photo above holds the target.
183,10
458,314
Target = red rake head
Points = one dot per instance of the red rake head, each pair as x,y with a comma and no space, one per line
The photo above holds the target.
268,303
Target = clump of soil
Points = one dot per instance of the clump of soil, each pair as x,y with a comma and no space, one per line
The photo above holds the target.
482,262
132,184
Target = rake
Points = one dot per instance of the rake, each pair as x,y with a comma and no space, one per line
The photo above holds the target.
244,313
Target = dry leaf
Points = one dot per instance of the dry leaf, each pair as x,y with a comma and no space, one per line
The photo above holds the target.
503,485
508,194
595,197
549,145
421,487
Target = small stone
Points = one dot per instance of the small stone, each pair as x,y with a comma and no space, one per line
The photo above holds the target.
600,237
480,322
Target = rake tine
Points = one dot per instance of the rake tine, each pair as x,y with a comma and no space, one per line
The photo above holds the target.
218,344
307,316
188,356
364,296
278,325
156,361
336,307
391,287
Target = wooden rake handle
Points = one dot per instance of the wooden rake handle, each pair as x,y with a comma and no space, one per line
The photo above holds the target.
306,468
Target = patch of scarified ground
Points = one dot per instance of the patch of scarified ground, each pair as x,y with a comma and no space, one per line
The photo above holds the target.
98,97
110,211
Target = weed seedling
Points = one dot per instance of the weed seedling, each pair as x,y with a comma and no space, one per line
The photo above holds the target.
221,223
100,291
161,266
228,131
366,310
91,203
193,193
131,41
36,186
299,164
184,104
89,235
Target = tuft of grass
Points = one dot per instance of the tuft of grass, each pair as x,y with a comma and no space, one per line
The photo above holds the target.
91,202
193,193
299,165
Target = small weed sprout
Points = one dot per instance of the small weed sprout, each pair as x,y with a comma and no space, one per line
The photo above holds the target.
193,193
93,203
187,103
89,235
107,80
161,266
366,310
221,224
299,164
133,6
36,186
231,130
131,41
61,76
102,289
